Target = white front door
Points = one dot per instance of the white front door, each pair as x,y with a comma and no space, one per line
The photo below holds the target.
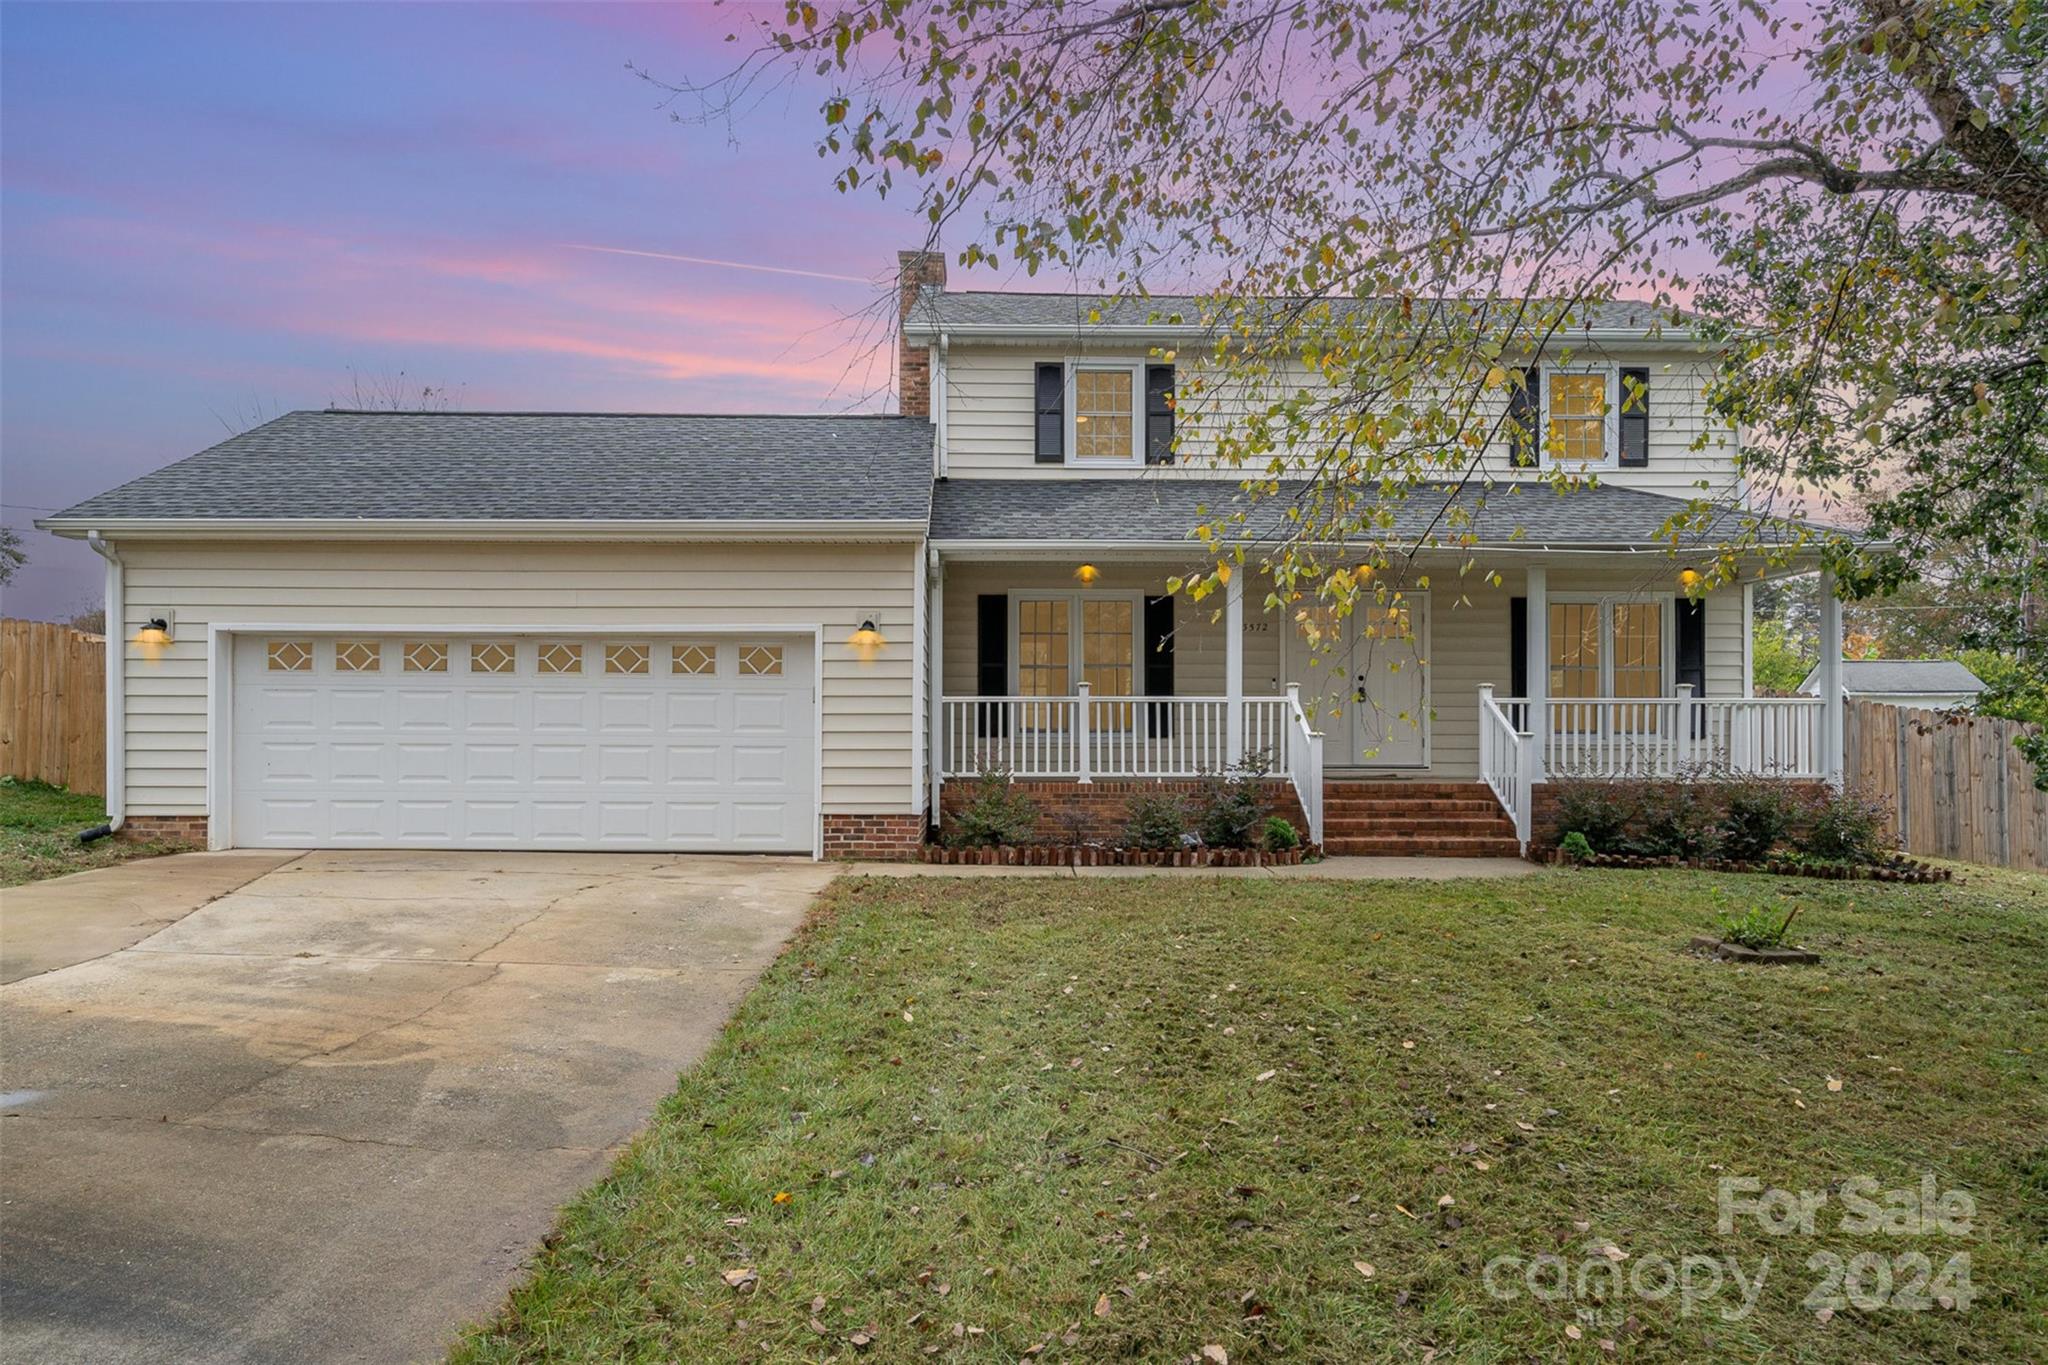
1370,685
524,741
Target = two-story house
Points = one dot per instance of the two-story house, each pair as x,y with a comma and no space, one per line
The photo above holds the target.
593,631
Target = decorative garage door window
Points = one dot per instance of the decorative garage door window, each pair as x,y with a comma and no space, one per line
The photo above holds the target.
625,658
358,656
291,656
492,656
426,656
695,660
761,661
561,658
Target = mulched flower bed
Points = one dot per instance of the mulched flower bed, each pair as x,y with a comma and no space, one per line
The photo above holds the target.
1093,855
1897,870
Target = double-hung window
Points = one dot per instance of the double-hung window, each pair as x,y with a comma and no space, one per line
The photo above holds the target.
1105,423
1609,647
1579,415
1065,639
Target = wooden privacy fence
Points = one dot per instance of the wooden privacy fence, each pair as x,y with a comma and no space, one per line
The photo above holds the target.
53,705
1956,785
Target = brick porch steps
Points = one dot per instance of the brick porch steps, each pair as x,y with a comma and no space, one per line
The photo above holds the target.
1416,819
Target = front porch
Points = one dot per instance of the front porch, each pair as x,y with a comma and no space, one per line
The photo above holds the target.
1470,687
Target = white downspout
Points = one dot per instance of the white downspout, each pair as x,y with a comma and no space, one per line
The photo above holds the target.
117,673
939,406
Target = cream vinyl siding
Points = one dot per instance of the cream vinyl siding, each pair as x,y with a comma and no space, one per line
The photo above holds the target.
867,746
989,419
1469,635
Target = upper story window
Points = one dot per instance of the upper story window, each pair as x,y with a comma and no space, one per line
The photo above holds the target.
1104,425
1579,418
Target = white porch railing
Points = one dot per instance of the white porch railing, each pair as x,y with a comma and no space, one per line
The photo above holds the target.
1085,737
1522,742
1507,762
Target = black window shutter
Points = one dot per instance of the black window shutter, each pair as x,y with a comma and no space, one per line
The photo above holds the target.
1518,649
1158,642
1692,654
1635,418
992,661
1050,403
1159,414
1524,439
1692,645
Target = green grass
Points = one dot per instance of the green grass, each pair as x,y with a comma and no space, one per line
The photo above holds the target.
1001,1105
39,827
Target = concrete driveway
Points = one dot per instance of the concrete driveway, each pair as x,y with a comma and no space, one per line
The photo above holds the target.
327,1115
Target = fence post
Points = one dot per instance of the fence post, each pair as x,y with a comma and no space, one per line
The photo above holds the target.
1084,743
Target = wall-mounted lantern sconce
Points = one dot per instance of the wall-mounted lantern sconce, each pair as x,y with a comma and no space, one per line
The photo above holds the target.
155,631
867,639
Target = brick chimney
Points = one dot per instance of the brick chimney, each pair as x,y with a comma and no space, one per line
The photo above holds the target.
914,363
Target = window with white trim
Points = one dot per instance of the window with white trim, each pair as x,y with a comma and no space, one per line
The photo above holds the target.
1609,647
1105,413
1579,408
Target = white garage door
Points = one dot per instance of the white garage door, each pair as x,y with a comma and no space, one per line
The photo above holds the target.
432,741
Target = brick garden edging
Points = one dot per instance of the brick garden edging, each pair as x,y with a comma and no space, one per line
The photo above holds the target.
1900,870
1053,855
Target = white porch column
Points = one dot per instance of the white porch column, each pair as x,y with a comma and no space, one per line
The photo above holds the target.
1233,665
1537,666
1830,679
935,686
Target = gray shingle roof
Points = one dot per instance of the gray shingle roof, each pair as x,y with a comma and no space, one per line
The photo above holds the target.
543,466
1165,510
1902,675
939,309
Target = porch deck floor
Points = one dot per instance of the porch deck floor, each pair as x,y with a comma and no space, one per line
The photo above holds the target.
1329,869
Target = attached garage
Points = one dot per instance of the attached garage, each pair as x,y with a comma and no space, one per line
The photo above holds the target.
524,631
618,740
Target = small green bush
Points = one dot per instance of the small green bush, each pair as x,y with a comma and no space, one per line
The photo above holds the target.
1575,848
1231,805
1756,814
1758,927
998,815
1676,818
1278,834
1841,828
1599,811
1155,821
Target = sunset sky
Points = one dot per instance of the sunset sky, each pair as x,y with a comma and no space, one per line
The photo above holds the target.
213,214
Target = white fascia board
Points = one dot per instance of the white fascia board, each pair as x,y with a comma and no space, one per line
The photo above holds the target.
1040,332
362,528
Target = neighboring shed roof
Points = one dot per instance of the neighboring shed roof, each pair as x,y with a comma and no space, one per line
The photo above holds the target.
1902,677
511,466
1166,510
937,309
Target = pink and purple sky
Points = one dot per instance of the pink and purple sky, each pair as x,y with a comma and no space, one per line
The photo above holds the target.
211,214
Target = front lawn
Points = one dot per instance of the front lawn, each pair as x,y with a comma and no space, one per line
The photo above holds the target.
1134,1119
39,827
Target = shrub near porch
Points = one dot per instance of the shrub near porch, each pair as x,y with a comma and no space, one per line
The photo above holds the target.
1128,1119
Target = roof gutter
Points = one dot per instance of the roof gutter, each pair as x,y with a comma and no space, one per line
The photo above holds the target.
116,661
1179,330
372,528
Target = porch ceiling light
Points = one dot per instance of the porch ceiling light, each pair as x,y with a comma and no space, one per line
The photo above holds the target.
1086,575
155,631
1688,578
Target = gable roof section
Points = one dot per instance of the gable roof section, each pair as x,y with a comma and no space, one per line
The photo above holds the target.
859,473
1165,511
996,312
1902,676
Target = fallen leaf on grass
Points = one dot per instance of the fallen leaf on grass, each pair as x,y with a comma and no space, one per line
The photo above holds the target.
1481,1166
1364,1268
1102,1306
1445,1202
1834,1085
1265,1076
1825,1316
1572,1331
1400,1210
1525,1127
742,1277
1215,1354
